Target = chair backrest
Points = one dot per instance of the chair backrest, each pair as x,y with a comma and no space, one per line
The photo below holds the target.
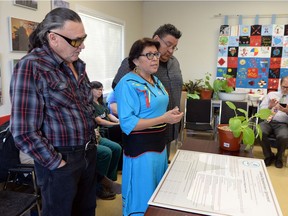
198,111
226,113
9,154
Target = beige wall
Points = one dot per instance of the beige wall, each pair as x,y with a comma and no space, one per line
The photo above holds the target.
128,12
197,48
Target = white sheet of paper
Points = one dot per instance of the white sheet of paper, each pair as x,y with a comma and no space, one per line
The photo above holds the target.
217,185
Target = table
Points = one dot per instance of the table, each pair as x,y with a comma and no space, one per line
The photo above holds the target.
211,146
201,145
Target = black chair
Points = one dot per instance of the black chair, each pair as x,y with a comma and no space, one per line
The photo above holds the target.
226,113
20,192
198,117
16,203
273,140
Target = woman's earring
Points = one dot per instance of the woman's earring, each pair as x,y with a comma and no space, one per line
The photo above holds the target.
136,70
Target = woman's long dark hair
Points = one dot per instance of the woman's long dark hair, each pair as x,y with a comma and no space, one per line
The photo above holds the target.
54,19
97,85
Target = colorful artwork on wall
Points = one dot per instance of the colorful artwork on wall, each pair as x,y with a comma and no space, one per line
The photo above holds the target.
256,56
20,30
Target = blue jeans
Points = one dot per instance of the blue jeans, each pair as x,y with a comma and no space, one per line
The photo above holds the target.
108,156
71,189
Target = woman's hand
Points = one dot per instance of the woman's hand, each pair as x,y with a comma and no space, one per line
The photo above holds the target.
173,116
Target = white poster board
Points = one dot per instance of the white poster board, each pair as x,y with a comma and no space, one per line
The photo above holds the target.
218,185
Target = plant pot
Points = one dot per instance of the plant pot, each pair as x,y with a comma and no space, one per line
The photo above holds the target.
233,96
206,94
226,139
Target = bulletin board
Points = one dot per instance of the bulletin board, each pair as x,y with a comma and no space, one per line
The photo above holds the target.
255,55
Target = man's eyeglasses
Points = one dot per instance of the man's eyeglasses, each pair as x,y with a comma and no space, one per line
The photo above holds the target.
175,48
73,42
150,56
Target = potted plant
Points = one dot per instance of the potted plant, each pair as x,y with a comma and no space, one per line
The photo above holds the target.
206,89
193,88
224,89
241,128
222,85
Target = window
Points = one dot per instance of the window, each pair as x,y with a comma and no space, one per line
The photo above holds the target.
103,51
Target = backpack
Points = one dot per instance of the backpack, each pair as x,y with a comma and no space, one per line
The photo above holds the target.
9,154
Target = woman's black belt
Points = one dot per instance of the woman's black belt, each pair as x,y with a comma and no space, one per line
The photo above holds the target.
138,142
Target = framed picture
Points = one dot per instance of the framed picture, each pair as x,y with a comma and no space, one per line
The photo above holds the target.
59,3
31,4
19,32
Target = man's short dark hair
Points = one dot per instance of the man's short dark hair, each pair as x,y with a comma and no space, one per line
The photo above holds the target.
167,29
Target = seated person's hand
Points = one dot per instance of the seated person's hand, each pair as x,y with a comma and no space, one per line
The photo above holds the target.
281,108
272,103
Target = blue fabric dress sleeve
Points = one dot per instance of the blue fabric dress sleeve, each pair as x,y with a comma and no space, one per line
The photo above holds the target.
128,106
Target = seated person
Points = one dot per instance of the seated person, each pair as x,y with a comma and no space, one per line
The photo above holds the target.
276,124
111,103
103,115
108,156
109,124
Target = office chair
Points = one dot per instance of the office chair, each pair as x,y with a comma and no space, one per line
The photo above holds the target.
226,113
198,117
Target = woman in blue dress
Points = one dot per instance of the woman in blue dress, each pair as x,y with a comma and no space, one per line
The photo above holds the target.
142,109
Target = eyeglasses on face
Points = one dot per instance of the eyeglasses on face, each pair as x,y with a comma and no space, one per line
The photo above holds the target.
73,42
150,56
174,48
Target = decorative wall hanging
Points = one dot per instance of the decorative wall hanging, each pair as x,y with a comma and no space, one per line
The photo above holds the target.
31,4
19,32
256,56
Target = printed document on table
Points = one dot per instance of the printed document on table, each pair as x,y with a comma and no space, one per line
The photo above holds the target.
214,184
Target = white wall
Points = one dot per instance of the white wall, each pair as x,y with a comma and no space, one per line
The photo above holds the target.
197,48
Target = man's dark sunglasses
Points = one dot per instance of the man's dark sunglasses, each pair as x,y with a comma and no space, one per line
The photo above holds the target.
73,42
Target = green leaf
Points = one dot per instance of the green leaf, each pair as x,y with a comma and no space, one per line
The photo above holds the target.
231,105
259,132
193,96
263,113
234,124
248,136
243,111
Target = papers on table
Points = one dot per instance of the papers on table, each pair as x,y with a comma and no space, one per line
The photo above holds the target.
215,184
